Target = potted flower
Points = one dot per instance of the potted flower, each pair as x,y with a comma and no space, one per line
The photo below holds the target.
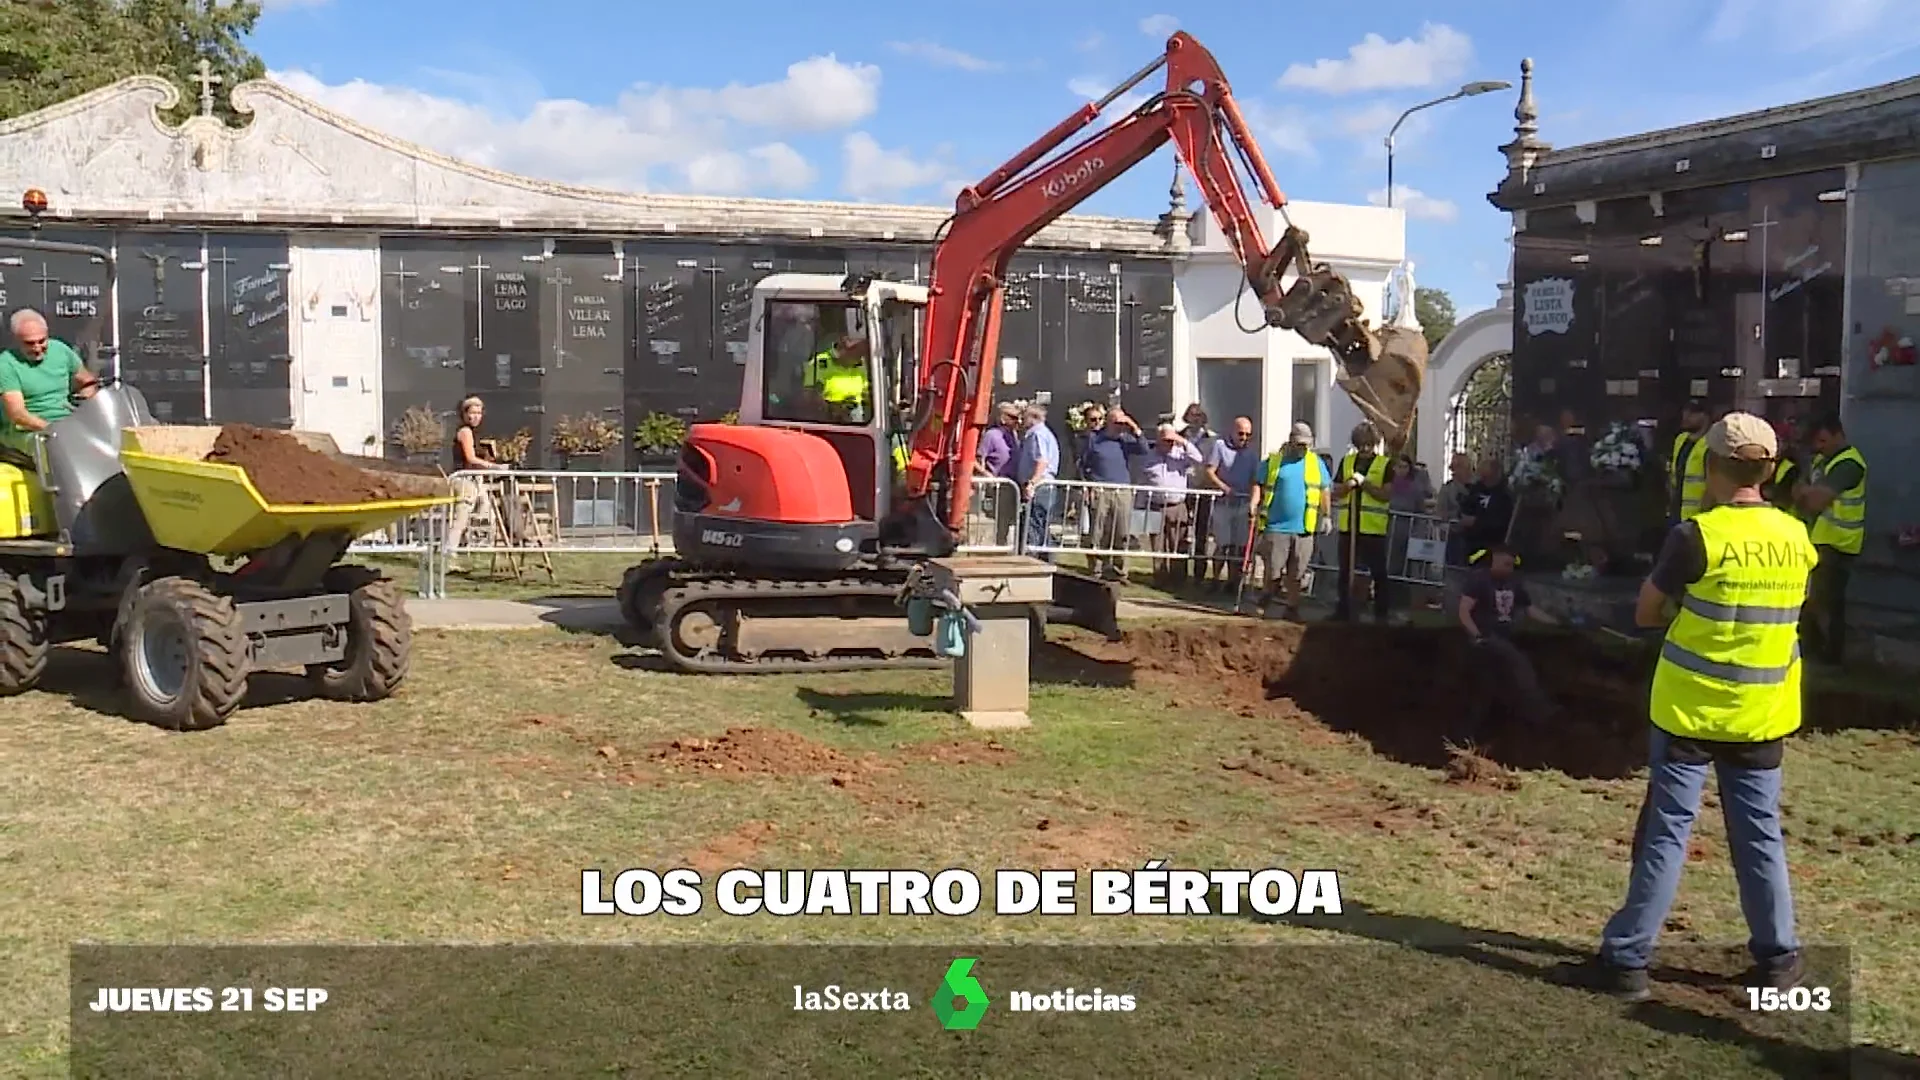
659,437
732,416
582,441
420,435
513,449
1618,456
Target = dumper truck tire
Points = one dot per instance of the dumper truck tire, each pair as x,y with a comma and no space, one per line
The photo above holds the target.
23,641
183,655
379,638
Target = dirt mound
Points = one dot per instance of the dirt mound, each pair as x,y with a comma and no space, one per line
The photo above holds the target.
289,474
1466,765
1409,692
755,752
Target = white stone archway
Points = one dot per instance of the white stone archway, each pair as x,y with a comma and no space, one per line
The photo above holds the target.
1474,340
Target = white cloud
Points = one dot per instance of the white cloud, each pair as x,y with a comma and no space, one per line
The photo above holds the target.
773,165
688,139
819,94
1439,55
938,55
1159,26
1284,131
871,171
1093,40
1417,204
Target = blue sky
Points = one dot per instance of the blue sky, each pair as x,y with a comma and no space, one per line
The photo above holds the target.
903,103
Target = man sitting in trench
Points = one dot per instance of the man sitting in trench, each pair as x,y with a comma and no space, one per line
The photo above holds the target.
1492,604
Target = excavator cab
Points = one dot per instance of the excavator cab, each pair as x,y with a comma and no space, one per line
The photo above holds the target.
836,358
805,477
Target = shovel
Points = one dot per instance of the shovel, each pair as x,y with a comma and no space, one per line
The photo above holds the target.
1246,563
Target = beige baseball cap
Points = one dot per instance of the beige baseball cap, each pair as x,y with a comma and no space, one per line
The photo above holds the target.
1303,433
1743,435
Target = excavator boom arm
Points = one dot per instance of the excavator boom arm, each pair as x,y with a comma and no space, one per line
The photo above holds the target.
992,219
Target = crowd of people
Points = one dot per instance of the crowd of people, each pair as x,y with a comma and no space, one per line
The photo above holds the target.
1197,503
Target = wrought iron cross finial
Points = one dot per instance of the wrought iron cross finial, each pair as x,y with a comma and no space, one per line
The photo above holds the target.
208,80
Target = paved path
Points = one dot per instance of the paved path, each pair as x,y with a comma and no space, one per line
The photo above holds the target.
602,614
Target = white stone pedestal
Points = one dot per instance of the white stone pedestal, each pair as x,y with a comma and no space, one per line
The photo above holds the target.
991,682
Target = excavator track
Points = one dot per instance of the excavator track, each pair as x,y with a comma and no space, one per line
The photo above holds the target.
714,622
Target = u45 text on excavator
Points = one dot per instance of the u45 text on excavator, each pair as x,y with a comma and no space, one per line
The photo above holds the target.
796,529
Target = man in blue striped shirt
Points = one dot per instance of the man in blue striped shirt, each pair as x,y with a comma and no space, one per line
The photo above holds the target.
1037,462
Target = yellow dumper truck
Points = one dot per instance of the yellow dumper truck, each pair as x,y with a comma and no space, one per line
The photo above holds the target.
117,530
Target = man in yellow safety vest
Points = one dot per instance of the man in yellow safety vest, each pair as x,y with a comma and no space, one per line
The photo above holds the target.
1834,499
1687,464
1360,486
838,375
1726,693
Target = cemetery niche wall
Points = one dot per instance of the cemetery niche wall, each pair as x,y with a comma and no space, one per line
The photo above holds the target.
545,330
651,335
201,323
1733,295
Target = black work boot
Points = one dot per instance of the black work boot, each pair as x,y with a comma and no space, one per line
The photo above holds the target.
1777,973
1630,985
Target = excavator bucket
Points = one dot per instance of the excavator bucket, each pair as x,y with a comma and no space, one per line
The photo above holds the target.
1387,389
1086,602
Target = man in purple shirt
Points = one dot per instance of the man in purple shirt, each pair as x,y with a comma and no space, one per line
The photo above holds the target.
1166,468
994,462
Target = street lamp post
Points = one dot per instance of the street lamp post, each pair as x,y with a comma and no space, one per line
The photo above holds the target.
1472,89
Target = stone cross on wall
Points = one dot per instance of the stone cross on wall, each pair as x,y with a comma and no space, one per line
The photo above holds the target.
208,80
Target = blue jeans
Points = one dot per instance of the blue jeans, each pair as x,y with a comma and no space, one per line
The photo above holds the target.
1039,513
1750,801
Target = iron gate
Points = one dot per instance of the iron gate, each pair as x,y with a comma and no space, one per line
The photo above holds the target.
1480,416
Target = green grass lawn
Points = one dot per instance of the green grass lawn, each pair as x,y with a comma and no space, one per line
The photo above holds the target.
466,807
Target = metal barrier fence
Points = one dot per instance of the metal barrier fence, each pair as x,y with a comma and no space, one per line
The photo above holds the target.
525,517
1111,523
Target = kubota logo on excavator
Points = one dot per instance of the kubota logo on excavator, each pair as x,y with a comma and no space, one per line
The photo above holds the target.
1066,182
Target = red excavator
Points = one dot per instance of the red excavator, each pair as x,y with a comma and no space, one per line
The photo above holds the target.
796,529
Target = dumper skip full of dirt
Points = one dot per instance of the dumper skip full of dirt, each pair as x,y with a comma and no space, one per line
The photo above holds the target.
287,473
1409,690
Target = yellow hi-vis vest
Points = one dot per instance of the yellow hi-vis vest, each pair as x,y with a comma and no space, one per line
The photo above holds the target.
1691,475
838,381
1373,512
1842,526
1316,479
1729,670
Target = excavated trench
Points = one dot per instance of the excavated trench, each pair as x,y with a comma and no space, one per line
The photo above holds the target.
1409,690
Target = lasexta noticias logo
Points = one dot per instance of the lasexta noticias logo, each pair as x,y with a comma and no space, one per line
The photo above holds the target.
961,1001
